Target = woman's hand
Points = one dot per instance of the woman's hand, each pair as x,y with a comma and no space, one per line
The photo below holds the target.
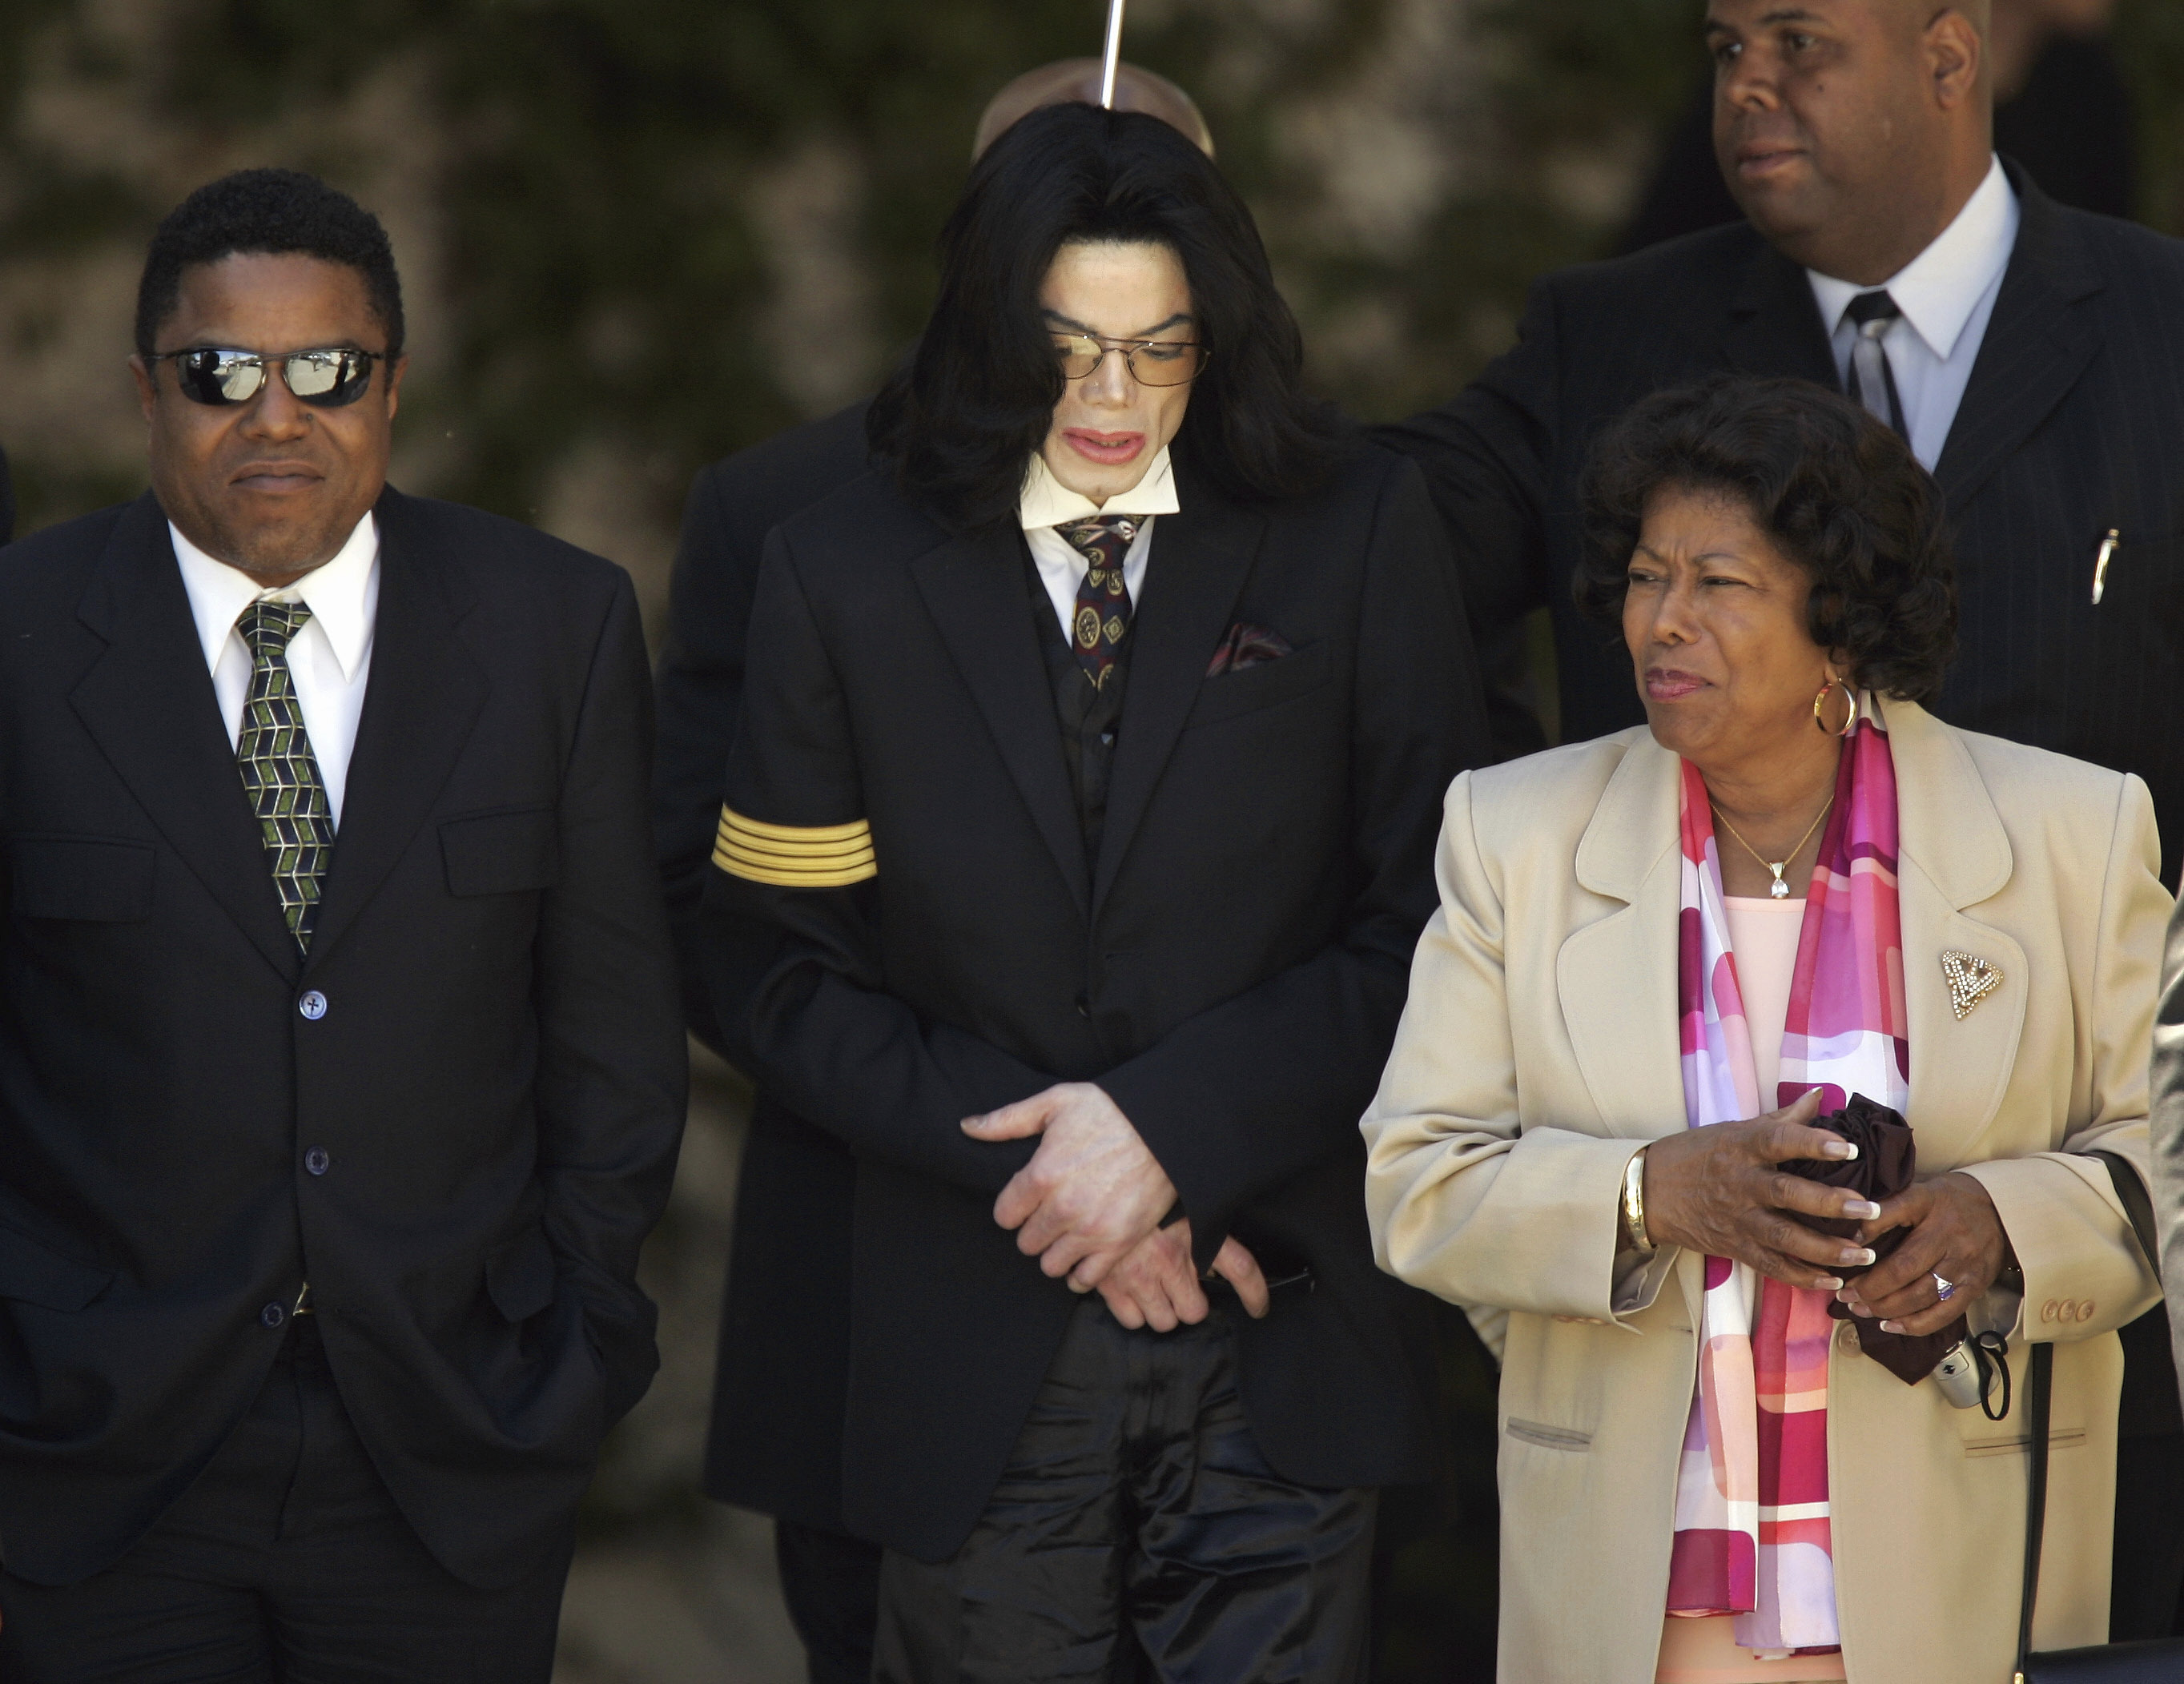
1717,1190
1955,1234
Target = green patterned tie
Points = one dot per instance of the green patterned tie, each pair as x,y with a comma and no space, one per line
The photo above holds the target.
279,773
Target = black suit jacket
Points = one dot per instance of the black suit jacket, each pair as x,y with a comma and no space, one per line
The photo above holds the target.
1230,968
2067,430
497,1074
783,1363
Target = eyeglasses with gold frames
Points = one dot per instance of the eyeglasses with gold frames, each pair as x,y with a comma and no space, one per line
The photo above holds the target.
1151,362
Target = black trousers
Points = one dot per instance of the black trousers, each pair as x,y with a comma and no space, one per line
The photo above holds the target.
1137,1534
2145,1596
831,1582
286,1563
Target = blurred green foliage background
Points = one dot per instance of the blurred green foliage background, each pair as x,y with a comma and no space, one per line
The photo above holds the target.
607,183
639,234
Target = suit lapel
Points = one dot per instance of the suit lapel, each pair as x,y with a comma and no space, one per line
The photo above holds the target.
1200,558
2036,347
973,586
149,704
1775,325
1617,978
1953,854
420,705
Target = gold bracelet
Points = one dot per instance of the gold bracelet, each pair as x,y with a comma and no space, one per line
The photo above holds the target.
1633,1200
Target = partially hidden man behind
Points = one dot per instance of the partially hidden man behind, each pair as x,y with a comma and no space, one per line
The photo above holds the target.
340,1074
1089,765
775,1443
2029,354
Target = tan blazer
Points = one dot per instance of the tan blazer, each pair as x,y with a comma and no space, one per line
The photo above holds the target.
1539,1050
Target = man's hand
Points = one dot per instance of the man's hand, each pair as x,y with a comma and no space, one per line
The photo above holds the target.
1955,1233
1091,1191
1157,1284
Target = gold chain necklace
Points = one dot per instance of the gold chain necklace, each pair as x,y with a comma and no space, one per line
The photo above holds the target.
1779,890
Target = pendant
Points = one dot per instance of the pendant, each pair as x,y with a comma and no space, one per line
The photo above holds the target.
1781,890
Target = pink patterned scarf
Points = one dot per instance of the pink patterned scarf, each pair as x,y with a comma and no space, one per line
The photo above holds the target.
1752,1492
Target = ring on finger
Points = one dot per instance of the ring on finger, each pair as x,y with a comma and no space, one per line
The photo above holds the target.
1944,1290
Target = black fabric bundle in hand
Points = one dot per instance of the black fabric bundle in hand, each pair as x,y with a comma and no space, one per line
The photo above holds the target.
1886,1162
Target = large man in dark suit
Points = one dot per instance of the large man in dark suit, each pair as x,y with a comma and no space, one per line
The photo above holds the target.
2034,355
340,1074
776,1444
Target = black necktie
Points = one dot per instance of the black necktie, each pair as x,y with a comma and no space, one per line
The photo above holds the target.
1872,381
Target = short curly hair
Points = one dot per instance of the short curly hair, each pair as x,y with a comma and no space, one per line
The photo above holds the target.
272,212
1838,493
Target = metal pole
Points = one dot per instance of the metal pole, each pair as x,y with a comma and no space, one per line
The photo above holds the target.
1114,54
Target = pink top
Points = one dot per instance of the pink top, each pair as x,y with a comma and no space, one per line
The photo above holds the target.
1763,935
1707,1652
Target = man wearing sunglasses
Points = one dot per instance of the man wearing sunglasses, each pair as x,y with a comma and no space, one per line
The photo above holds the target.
340,1077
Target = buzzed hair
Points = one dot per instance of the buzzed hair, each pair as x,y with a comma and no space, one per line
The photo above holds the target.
271,213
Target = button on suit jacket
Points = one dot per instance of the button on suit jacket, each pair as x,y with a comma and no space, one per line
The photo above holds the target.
1229,968
490,1060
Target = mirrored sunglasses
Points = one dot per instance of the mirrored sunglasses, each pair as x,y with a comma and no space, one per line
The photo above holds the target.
328,380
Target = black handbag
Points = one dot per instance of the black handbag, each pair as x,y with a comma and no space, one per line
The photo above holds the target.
2159,1660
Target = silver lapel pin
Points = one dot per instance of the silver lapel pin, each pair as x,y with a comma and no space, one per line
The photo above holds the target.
2110,545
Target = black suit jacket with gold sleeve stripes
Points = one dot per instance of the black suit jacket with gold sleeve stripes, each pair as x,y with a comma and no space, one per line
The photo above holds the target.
905,931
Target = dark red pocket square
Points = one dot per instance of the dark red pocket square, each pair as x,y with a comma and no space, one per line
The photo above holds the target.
1247,645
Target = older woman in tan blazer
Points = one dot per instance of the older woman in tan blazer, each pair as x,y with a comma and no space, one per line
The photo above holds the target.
1796,883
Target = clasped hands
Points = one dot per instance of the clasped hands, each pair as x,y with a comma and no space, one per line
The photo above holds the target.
1090,1205
1721,1191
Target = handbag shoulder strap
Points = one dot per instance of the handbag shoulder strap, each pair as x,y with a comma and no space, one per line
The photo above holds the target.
2130,1191
2038,1394
2138,1204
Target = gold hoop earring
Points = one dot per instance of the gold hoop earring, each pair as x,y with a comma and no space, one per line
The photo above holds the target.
1820,701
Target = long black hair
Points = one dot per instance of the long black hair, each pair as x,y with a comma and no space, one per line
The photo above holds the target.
963,415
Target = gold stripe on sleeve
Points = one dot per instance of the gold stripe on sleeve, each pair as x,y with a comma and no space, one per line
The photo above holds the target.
794,850
856,830
793,857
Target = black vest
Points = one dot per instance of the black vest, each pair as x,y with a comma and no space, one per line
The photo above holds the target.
1091,720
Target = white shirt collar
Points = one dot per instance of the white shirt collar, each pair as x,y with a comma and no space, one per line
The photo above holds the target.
337,594
1938,290
1047,501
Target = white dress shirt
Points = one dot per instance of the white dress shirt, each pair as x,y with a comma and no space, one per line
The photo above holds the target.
1047,504
1946,294
329,660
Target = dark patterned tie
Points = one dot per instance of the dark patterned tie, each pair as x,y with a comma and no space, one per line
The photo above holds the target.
1872,381
280,774
1102,618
